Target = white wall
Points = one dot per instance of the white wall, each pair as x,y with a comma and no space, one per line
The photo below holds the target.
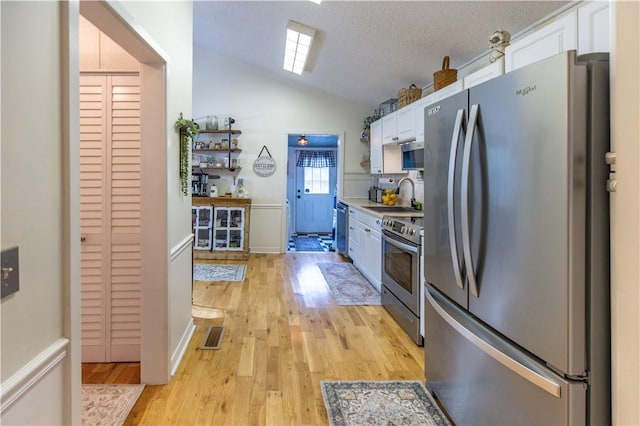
32,208
170,25
625,213
266,108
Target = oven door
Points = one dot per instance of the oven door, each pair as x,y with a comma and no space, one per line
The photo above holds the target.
401,269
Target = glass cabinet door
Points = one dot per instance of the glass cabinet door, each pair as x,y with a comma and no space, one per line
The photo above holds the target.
229,229
202,227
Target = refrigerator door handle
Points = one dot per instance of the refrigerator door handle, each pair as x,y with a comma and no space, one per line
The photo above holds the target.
512,364
455,142
466,165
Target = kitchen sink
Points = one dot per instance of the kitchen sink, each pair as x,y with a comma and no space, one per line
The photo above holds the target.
392,209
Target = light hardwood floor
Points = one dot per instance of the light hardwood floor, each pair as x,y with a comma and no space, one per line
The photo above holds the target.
284,335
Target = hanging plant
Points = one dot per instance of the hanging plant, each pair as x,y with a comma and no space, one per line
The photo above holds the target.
188,129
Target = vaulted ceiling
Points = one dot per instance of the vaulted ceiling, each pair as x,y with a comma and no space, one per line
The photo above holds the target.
365,51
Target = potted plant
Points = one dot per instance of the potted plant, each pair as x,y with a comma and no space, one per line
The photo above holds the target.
188,129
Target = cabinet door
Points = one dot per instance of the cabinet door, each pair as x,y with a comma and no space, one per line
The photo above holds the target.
451,89
389,123
375,146
484,74
593,27
556,37
406,123
202,228
354,241
374,257
392,159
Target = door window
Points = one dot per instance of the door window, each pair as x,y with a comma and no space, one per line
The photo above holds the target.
316,180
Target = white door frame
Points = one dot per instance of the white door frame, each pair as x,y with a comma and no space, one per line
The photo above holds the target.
284,226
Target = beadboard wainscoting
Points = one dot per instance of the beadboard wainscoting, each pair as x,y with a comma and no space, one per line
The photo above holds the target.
267,227
36,384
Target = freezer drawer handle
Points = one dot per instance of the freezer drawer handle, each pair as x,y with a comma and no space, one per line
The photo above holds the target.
466,165
526,373
455,142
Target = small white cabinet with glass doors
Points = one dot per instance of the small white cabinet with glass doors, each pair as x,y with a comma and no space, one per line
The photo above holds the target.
221,227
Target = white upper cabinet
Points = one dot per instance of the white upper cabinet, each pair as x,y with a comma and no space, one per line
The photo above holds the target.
556,37
375,146
406,123
449,90
392,159
593,27
389,128
484,74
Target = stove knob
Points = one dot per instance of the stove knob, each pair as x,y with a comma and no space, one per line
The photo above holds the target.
403,230
412,231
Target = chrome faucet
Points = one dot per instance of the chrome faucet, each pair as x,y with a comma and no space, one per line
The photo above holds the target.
413,189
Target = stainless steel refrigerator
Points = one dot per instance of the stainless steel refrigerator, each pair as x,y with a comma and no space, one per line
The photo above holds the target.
517,247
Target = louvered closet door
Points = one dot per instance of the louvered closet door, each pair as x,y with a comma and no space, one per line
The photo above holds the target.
110,217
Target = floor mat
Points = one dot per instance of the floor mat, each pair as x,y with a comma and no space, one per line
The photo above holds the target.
380,403
307,244
218,272
108,404
348,286
325,240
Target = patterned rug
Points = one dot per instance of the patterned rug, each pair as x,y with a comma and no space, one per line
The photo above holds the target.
307,244
215,272
108,404
380,403
348,285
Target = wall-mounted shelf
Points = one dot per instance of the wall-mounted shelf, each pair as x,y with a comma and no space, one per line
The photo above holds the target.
222,132
238,150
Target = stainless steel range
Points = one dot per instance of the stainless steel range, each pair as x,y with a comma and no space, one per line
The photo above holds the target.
401,245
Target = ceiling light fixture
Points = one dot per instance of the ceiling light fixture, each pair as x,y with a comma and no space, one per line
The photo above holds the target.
297,47
302,141
316,1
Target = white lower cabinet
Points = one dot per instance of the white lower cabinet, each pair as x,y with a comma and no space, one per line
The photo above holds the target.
365,245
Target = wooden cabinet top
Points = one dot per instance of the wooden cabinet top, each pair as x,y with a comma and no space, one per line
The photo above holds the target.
220,201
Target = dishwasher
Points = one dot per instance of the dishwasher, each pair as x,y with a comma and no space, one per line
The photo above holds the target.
342,239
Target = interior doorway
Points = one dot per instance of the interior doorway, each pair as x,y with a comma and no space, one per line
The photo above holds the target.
311,191
153,280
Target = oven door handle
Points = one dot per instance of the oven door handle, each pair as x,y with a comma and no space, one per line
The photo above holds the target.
402,246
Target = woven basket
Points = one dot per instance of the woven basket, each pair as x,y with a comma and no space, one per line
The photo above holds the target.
445,76
407,96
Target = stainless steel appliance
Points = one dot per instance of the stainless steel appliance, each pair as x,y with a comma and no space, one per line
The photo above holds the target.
342,229
412,156
516,247
375,194
401,287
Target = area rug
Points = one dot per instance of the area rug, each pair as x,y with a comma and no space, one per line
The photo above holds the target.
307,244
218,272
380,403
108,404
348,285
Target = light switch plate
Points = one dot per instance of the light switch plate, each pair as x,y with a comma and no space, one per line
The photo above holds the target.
10,270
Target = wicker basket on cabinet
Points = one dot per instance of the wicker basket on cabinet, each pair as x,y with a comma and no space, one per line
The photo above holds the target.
407,96
445,76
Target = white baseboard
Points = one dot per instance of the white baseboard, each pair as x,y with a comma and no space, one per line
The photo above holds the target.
23,380
182,347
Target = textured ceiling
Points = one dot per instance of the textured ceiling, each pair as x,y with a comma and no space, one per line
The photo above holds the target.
365,51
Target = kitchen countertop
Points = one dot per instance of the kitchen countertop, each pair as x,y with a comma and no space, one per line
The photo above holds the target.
362,203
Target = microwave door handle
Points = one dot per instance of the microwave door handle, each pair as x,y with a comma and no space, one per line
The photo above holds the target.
466,165
455,142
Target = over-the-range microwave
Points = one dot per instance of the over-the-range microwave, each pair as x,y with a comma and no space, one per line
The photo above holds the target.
412,156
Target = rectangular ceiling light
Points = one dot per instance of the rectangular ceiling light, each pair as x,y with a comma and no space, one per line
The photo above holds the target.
297,47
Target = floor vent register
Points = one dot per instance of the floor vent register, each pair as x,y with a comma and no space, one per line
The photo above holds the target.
214,336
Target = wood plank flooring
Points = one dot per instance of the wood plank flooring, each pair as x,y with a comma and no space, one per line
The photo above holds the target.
284,335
